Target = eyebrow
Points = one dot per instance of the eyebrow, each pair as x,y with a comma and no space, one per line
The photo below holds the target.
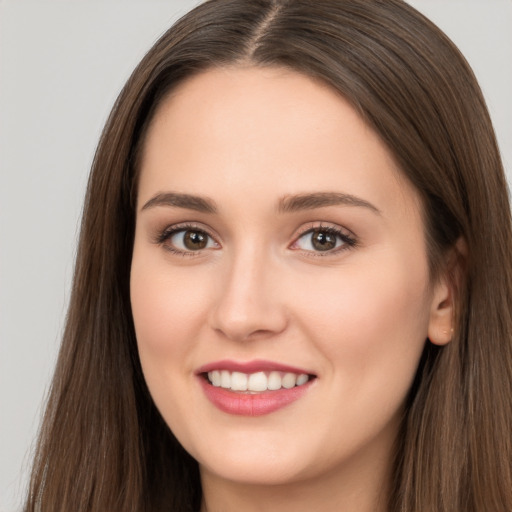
175,199
322,199
287,204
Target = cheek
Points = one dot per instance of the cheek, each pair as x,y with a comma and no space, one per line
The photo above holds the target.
370,320
168,312
370,327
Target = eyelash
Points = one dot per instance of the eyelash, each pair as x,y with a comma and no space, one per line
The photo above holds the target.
170,231
348,241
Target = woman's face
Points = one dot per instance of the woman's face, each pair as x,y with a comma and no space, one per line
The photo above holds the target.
278,249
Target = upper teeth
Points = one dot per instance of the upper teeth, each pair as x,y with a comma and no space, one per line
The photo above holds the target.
260,381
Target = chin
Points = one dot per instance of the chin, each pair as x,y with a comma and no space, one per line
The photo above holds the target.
246,456
273,471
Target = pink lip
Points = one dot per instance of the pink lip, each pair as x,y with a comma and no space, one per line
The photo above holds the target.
251,404
257,365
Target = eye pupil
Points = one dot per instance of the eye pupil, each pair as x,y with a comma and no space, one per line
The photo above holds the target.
195,240
323,240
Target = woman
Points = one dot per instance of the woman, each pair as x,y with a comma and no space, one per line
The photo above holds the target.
293,285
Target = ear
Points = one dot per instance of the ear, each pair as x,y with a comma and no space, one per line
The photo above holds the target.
445,295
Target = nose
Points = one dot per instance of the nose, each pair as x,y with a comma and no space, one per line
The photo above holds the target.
249,301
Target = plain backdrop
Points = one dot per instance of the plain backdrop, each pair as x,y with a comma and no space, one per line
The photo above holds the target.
62,64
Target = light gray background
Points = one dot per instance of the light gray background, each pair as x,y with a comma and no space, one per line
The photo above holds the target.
62,64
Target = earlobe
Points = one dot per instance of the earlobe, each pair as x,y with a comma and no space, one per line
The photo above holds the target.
440,328
446,292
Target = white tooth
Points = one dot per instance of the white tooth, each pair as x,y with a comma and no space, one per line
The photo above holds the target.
274,381
214,377
302,379
225,379
257,382
289,380
238,381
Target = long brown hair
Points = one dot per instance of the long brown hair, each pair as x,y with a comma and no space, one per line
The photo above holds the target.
103,445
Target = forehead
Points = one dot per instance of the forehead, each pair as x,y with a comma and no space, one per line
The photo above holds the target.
267,130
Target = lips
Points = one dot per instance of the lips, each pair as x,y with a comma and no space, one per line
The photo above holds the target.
254,388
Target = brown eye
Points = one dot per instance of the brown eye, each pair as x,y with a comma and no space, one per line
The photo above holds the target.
323,240
195,240
189,240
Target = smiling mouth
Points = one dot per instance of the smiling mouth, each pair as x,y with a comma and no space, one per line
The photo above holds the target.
253,388
256,382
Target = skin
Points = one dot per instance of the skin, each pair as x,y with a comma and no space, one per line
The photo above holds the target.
356,317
